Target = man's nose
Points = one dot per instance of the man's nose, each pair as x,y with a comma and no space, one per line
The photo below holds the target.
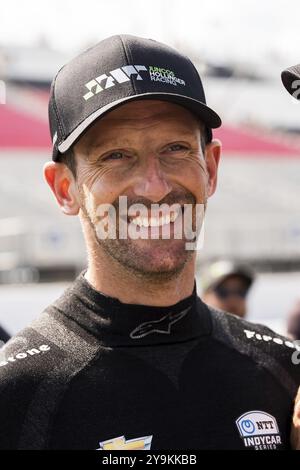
152,182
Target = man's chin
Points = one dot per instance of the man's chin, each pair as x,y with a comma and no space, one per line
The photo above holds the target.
156,272
160,266
150,258
160,252
153,245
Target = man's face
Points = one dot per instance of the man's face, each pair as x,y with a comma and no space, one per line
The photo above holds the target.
230,295
150,152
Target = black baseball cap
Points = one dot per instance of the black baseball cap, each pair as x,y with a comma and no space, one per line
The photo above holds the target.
291,80
117,70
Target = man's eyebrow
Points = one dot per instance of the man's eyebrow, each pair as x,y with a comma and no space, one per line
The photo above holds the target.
98,143
111,142
187,133
104,142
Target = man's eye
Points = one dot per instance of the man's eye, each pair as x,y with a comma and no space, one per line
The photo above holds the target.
114,156
176,147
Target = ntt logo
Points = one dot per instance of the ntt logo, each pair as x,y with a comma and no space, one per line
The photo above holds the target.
23,355
259,430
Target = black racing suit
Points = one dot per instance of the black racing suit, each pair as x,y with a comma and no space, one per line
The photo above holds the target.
91,369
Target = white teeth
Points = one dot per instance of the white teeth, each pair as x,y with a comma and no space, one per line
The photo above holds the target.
174,216
135,221
155,221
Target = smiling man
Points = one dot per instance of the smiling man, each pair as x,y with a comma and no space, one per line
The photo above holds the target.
151,153
129,357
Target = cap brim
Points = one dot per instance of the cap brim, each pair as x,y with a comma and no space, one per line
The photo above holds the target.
289,78
209,117
248,278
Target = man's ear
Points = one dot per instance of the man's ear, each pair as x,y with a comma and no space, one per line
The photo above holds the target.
212,158
62,183
295,432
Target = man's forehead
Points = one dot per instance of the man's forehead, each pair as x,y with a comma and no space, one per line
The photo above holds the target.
140,116
147,110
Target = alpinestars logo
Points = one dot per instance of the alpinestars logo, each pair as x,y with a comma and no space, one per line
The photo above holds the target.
259,430
163,325
124,74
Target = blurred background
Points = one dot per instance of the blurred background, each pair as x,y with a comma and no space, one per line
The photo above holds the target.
239,48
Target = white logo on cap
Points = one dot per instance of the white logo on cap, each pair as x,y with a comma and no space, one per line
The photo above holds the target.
123,74
120,75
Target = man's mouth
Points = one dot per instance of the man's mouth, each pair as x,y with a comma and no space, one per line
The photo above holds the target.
153,220
160,222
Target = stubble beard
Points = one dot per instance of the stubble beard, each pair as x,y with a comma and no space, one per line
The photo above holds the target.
126,254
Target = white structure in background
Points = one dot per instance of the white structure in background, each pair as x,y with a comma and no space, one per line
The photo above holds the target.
34,233
255,213
263,104
30,64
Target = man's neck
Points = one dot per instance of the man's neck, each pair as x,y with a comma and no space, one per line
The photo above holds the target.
131,289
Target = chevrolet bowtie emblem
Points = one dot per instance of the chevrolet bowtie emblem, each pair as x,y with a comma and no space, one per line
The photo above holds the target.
120,443
163,325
